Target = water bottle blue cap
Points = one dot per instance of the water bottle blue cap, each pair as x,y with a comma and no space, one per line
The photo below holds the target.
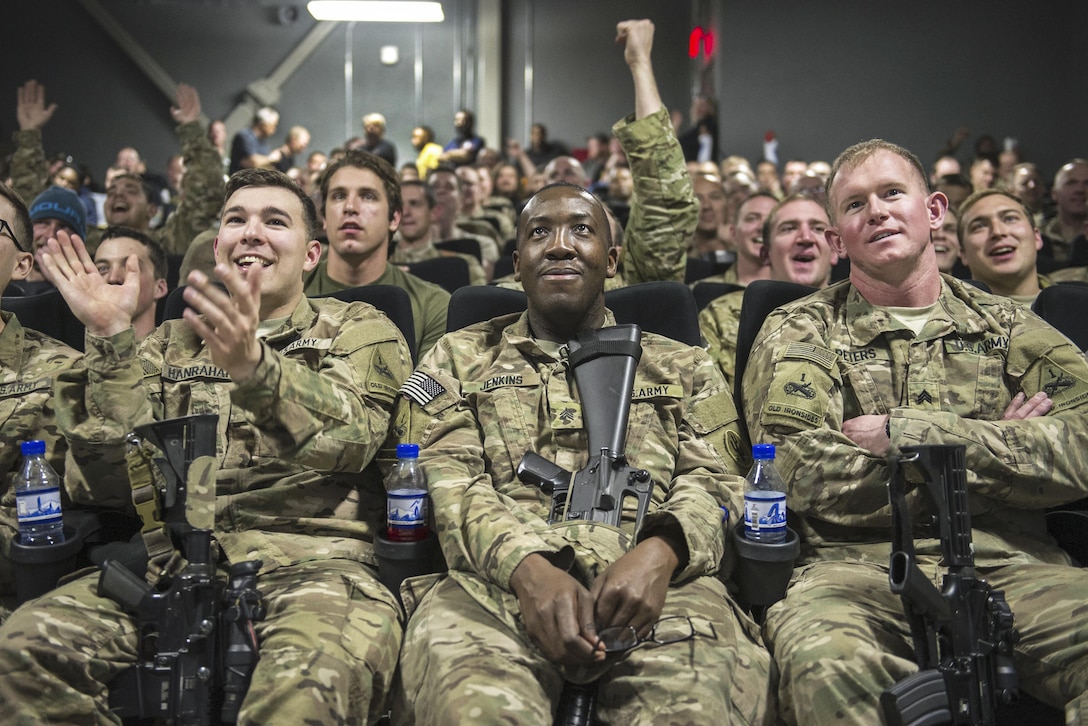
763,451
30,448
407,451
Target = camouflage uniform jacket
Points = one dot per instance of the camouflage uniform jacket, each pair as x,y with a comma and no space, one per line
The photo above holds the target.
202,186
1060,248
491,392
1069,274
29,167
663,207
834,356
295,479
29,364
719,323
729,275
430,303
402,256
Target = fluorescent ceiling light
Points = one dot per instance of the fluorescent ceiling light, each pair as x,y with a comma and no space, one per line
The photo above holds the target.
379,11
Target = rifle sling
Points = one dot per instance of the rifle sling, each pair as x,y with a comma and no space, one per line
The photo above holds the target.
142,471
199,506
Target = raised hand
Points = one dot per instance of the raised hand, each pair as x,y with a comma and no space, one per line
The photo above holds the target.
104,309
638,39
188,104
30,108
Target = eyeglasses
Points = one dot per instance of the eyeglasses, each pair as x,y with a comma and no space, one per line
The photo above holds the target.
5,229
673,629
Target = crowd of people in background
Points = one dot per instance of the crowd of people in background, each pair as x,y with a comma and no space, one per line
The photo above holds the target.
493,182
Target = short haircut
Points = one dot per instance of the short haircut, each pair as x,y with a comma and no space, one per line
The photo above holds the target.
360,159
267,115
427,193
772,216
149,194
750,197
272,178
155,251
21,225
583,192
428,133
981,194
862,151
1064,169
955,180
375,118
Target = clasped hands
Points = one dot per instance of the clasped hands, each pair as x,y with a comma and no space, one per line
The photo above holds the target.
562,616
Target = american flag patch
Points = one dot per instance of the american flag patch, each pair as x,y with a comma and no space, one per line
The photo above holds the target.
421,388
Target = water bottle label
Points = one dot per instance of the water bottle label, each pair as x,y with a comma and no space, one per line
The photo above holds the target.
407,507
38,506
765,512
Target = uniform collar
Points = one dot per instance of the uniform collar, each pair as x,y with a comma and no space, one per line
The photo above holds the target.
954,312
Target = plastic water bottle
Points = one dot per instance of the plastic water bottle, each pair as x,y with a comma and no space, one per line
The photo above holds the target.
764,498
406,497
37,498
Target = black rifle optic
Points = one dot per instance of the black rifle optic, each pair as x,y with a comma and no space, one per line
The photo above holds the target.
963,634
603,363
197,645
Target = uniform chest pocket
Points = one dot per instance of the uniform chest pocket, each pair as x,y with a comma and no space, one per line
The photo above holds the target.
21,410
867,389
505,415
975,385
654,419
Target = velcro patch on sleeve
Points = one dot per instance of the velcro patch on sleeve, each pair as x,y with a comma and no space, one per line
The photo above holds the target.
421,388
1064,388
819,355
798,396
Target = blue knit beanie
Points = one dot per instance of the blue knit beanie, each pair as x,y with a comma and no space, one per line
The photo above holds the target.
60,204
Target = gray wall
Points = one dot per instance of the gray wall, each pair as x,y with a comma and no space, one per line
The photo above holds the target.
580,83
220,47
825,75
822,75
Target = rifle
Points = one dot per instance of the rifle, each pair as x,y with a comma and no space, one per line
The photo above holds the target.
197,643
963,634
603,363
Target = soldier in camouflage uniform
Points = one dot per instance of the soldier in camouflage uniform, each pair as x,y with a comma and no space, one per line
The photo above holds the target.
130,204
999,243
521,608
415,240
901,355
663,208
29,364
361,206
796,250
304,390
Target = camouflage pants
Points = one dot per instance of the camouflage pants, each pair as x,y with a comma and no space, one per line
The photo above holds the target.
328,651
460,665
840,638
